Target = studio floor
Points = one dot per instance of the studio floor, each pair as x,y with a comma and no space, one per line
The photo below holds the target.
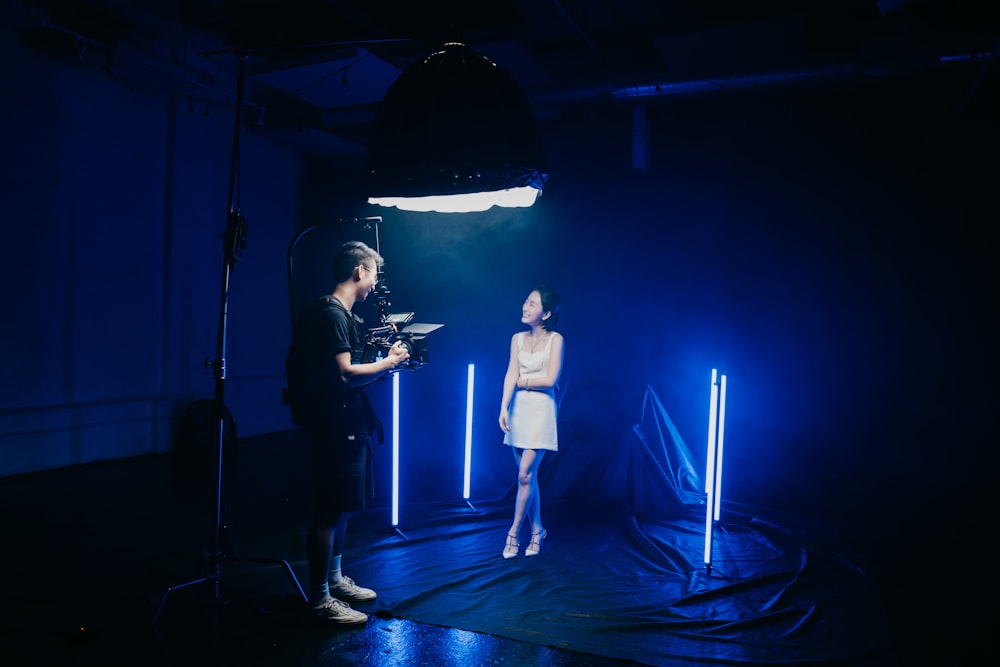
109,564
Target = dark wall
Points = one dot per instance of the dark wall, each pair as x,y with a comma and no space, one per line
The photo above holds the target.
114,197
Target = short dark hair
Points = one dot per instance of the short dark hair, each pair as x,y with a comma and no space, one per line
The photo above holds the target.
351,255
550,303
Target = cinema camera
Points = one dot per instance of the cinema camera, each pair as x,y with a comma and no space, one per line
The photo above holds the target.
396,327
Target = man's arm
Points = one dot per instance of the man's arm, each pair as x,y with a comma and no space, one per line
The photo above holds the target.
358,375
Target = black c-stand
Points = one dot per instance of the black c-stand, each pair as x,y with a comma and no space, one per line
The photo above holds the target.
234,245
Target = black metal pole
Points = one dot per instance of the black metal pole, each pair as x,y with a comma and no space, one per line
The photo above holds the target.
234,245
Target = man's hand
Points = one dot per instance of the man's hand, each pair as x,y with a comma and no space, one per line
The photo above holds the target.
397,354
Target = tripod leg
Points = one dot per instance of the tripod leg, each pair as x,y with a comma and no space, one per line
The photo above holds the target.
295,581
163,600
276,561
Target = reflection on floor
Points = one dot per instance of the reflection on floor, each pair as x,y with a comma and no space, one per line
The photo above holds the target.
93,553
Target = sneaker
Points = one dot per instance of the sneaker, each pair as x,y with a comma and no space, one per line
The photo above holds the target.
348,590
332,609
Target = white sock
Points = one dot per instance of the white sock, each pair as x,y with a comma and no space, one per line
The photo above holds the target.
336,576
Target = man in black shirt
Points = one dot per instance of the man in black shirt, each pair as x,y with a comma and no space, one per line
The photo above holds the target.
331,405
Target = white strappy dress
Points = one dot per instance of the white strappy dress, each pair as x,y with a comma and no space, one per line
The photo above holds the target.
533,411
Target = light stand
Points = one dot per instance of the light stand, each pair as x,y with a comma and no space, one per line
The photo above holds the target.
234,245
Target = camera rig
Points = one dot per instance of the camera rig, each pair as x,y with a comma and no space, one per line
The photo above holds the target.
396,327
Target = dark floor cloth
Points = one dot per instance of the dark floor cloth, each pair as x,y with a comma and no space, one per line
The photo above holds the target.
623,573
638,589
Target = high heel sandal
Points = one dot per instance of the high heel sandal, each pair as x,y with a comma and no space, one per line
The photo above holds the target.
511,548
535,546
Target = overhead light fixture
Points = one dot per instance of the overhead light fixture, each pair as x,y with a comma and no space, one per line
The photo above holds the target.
455,133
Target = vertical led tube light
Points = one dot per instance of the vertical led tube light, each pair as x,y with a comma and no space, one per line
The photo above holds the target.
712,422
710,470
468,430
718,454
395,450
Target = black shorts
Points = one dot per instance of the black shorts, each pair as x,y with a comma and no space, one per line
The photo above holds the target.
345,479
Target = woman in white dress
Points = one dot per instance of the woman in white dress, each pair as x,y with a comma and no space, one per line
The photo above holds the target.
528,409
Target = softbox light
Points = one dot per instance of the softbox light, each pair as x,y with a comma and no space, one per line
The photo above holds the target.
455,133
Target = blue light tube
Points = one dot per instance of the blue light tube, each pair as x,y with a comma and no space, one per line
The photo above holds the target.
468,429
718,456
710,471
395,450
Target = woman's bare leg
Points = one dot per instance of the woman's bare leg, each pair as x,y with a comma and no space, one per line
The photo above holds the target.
528,500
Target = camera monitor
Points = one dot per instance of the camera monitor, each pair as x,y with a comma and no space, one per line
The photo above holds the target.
398,320
419,329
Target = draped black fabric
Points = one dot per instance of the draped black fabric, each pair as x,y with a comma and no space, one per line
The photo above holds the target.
781,590
650,471
623,572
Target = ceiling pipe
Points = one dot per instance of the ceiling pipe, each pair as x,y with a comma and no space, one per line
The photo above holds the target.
735,83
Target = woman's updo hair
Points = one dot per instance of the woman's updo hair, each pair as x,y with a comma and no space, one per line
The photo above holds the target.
550,304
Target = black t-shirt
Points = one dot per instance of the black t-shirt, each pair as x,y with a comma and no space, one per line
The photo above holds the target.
326,405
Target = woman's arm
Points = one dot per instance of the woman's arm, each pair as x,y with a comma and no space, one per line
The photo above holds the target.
553,370
509,381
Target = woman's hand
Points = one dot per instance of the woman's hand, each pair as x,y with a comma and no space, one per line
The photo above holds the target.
504,426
